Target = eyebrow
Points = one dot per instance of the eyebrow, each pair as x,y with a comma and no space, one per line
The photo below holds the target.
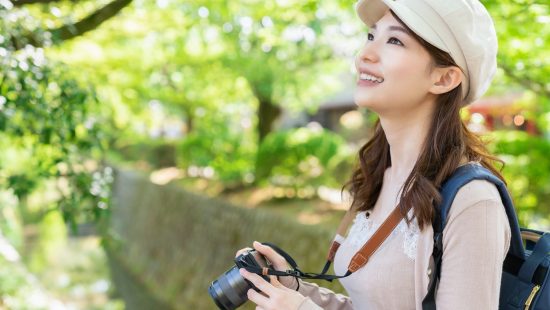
395,28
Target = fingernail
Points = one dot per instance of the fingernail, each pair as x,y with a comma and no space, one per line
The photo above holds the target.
242,271
257,243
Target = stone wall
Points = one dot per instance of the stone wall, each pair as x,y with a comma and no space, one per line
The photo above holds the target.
174,243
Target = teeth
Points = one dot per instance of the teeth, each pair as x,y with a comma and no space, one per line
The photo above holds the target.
364,76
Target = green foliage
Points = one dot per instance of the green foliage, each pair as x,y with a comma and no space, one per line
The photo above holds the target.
302,157
523,58
48,128
527,171
202,55
10,224
222,147
196,57
157,153
16,285
283,53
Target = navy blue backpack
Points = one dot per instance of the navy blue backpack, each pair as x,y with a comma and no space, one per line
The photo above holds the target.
525,272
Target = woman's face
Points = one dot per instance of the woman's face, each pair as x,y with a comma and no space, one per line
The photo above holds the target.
400,65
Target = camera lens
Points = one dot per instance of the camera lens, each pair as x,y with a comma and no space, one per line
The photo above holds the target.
229,290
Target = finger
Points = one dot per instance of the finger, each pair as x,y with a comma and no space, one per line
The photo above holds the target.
275,282
268,252
257,298
241,251
258,281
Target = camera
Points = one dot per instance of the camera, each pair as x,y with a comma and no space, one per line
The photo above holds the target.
229,290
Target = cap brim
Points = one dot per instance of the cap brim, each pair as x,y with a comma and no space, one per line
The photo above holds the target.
370,11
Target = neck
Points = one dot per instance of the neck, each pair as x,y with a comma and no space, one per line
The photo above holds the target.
406,134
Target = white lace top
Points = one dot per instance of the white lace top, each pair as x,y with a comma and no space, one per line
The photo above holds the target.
364,227
372,283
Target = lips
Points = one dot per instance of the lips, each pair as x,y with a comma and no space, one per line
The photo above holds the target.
367,83
367,77
369,72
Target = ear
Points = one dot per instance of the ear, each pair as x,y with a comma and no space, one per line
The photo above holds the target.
445,79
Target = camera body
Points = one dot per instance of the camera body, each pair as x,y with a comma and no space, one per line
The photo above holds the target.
229,290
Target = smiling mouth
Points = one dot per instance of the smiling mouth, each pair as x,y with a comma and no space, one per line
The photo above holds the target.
372,78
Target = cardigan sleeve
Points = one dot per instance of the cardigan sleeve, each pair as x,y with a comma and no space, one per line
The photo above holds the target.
475,242
321,298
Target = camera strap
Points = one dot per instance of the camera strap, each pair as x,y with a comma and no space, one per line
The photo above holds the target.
358,260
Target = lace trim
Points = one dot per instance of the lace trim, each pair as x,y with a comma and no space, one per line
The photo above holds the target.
363,228
410,237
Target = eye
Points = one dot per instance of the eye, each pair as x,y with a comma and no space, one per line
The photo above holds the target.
392,39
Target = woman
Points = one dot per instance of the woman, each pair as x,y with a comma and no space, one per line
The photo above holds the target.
423,61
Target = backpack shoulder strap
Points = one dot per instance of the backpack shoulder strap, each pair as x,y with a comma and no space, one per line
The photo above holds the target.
463,175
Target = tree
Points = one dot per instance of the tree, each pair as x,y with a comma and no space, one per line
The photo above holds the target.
39,37
523,61
285,54
48,126
182,56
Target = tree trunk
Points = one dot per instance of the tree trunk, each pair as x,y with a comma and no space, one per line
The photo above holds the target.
267,114
189,118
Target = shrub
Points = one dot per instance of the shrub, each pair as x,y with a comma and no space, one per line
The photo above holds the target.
219,153
303,157
527,172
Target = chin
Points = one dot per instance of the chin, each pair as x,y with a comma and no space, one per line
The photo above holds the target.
365,100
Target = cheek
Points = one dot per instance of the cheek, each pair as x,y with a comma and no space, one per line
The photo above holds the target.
407,74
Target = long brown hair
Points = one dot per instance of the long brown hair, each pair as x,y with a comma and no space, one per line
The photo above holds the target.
447,142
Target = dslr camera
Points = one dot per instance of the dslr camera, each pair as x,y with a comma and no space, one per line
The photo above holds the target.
229,290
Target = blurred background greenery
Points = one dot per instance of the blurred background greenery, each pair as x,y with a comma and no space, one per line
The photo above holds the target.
248,102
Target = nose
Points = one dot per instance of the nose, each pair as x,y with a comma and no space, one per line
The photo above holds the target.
368,53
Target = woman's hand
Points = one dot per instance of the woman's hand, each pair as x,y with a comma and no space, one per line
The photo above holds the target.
279,263
274,296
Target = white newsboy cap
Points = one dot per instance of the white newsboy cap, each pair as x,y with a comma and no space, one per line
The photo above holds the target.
462,28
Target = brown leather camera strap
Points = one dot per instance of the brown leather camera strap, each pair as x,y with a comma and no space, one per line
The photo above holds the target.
363,255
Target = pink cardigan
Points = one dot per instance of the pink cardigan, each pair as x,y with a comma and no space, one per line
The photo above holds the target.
476,240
